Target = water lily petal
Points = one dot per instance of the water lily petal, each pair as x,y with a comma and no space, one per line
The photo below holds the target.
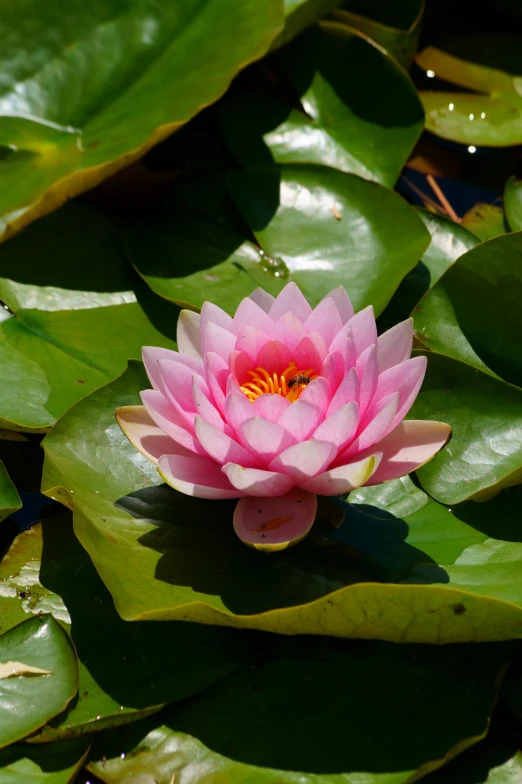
145,435
263,438
364,329
274,355
344,343
206,409
340,427
342,303
275,523
151,355
237,409
214,314
394,346
177,382
318,393
170,420
249,314
325,319
377,428
311,352
347,391
196,476
409,446
217,372
257,482
188,334
270,407
406,379
334,369
289,331
344,478
304,460
250,341
221,447
301,419
290,299
368,377
218,340
262,298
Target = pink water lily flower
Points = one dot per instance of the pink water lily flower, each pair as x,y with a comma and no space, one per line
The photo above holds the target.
279,404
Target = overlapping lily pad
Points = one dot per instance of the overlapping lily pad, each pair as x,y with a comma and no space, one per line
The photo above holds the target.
87,91
513,203
29,701
126,670
310,710
167,556
9,498
365,127
74,318
57,763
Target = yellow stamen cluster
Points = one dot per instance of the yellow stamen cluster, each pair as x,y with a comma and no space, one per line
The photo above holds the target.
265,384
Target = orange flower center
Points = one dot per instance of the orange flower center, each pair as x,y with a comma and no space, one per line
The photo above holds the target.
289,384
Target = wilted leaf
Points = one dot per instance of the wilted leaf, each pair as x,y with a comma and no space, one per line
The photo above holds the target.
12,669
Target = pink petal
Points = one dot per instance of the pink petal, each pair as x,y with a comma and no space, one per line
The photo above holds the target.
263,438
290,300
310,352
238,409
377,428
151,355
368,377
340,427
221,447
239,364
263,299
345,478
211,313
251,341
256,482
217,373
275,523
304,460
318,393
196,476
406,379
342,303
394,346
325,319
205,409
347,392
271,407
301,419
289,331
169,420
177,383
344,343
145,435
218,340
249,314
274,357
188,334
408,447
364,329
334,369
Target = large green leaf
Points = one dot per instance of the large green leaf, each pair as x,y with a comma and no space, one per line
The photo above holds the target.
448,242
56,763
9,498
126,670
394,25
364,126
341,713
474,313
87,90
330,228
28,702
513,203
167,556
490,116
75,319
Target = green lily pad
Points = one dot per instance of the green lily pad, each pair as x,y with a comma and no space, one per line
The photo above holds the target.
86,94
485,221
29,702
9,498
488,117
310,710
365,127
330,228
300,14
474,314
513,203
126,670
56,763
449,241
186,563
395,26
74,317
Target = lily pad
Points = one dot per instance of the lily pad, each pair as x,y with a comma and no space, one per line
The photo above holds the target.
473,313
29,702
309,710
126,670
488,117
300,14
395,26
74,318
166,556
85,94
330,228
485,221
9,498
56,763
513,203
365,127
